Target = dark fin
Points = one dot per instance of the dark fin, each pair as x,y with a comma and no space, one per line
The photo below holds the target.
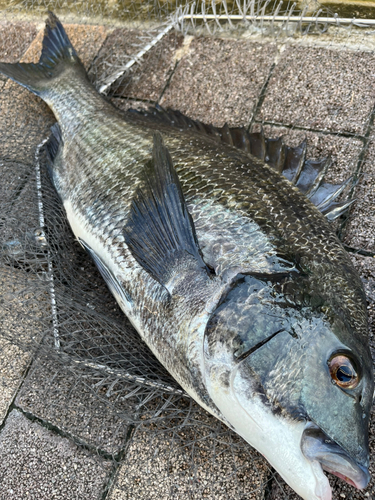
112,282
294,161
258,146
275,156
336,209
312,175
160,231
52,147
57,52
327,193
53,143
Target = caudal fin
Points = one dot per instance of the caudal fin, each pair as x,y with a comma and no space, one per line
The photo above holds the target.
57,54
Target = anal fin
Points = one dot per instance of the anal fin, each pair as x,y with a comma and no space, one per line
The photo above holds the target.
118,291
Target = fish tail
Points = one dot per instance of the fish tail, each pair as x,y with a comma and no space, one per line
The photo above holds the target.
57,55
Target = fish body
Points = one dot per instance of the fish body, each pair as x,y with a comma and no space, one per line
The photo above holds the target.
230,274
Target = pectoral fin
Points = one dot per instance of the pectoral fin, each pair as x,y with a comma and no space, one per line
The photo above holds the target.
160,232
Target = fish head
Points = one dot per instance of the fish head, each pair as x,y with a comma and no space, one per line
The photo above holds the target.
294,380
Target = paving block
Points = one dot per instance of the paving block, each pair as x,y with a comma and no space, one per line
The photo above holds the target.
360,230
206,460
15,38
14,176
39,465
21,322
13,363
220,80
75,405
321,88
19,214
145,80
343,151
25,121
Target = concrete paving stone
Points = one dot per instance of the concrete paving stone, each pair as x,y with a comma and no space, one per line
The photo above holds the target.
20,215
15,38
360,230
219,81
204,460
13,363
39,465
13,176
72,403
25,121
343,151
14,41
22,317
321,89
145,80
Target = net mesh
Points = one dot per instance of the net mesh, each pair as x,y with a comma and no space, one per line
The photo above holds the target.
70,361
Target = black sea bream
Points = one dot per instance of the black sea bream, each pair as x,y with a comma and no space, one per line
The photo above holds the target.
229,271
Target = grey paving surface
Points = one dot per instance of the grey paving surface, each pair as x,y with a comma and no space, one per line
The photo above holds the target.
14,177
321,89
23,201
24,122
73,406
360,231
13,364
15,39
216,81
219,81
21,316
159,465
342,151
40,465
145,80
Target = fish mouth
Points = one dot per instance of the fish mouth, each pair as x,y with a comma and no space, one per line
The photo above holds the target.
317,446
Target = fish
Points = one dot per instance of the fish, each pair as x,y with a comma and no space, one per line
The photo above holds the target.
218,246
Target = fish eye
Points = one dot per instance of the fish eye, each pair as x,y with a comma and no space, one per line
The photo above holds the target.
343,371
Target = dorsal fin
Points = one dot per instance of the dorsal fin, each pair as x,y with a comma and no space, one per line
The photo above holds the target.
307,175
160,232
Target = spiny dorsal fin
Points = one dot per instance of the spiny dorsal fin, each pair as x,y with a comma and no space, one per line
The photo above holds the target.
160,232
307,175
